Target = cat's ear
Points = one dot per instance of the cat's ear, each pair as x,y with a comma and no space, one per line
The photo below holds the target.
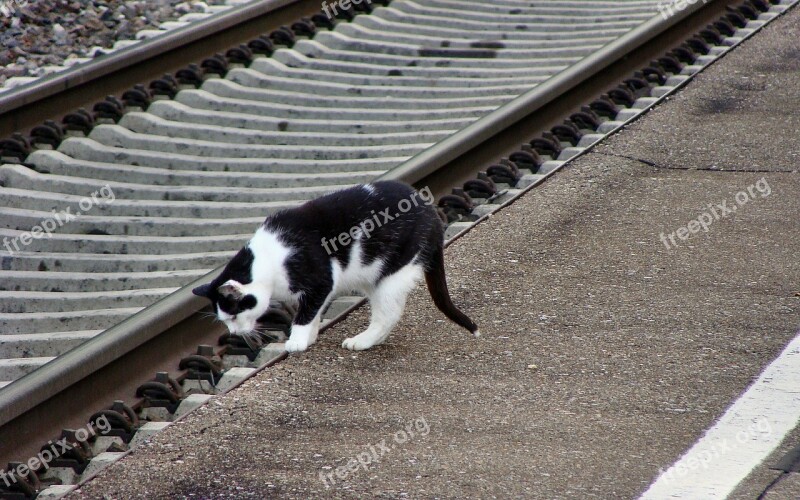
203,290
231,289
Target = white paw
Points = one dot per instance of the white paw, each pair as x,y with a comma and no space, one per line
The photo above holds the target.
294,345
357,344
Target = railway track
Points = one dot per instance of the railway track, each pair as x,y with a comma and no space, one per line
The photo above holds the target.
165,183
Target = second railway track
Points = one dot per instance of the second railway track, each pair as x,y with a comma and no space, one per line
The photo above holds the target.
183,171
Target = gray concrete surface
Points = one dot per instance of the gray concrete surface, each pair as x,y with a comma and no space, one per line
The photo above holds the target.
604,356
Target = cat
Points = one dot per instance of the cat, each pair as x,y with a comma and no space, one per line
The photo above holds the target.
378,238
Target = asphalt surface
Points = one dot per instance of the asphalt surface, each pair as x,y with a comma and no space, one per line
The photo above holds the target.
604,353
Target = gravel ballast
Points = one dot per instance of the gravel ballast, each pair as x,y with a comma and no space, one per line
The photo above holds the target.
38,35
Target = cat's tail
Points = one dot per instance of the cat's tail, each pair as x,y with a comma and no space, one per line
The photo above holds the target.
437,286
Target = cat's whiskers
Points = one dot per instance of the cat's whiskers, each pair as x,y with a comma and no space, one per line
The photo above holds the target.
252,335
205,315
271,333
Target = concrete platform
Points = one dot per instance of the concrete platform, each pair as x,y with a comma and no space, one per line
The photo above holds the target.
605,354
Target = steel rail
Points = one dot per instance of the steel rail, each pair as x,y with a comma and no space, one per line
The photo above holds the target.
33,389
65,91
499,121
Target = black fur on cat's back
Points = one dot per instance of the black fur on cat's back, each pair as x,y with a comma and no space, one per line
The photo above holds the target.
396,241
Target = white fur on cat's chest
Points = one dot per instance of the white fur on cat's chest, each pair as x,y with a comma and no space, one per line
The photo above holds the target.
270,254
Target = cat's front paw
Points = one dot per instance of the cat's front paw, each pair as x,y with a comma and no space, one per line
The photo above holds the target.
295,345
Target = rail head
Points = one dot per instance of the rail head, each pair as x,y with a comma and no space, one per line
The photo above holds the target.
43,383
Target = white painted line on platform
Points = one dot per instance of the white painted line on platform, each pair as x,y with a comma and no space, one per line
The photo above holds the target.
742,438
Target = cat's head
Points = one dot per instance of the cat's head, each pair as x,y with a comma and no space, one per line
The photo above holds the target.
237,300
236,304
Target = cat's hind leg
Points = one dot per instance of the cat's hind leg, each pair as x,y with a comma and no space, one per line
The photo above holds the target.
387,301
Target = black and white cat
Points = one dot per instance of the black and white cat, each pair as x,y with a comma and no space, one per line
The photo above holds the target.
378,238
